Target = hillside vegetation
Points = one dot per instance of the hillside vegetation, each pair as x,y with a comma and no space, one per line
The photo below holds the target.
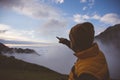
13,69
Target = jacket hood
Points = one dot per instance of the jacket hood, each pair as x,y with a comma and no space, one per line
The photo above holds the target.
81,35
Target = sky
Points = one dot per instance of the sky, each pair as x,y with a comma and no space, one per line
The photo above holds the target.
43,20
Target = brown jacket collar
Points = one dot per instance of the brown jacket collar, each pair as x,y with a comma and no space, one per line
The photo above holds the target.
91,52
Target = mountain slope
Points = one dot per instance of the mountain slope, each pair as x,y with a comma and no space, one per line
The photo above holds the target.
13,69
109,43
110,38
111,35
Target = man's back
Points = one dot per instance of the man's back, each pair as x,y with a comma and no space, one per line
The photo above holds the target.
91,65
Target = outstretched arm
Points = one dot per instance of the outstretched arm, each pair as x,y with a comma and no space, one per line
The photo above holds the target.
64,41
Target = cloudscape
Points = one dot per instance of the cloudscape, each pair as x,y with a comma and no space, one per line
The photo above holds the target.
43,20
28,31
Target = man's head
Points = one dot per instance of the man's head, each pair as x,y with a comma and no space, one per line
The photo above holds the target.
82,36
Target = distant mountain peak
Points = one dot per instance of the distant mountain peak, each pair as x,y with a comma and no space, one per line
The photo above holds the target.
113,28
6,49
112,32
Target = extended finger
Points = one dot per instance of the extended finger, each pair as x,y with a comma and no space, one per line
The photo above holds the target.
58,38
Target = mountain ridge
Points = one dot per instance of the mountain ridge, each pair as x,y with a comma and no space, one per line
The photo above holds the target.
109,44
110,32
110,36
5,49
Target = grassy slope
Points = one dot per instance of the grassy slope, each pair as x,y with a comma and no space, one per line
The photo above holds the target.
13,69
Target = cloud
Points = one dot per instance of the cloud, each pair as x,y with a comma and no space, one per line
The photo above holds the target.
8,33
53,28
2,31
83,1
54,23
31,8
110,18
4,27
85,7
59,1
52,18
78,18
96,16
91,3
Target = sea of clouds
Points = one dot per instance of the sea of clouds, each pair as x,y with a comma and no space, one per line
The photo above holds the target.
60,58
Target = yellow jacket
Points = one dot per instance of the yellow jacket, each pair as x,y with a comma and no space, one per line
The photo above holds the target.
91,61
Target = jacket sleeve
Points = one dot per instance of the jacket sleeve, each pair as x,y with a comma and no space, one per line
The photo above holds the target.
66,42
86,76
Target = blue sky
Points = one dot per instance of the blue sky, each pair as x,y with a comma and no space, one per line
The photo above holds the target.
43,20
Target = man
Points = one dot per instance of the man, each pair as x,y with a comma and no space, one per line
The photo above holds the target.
91,63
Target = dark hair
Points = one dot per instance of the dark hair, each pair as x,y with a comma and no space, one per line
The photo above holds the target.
82,36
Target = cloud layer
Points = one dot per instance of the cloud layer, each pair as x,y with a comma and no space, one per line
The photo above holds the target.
52,28
59,1
7,32
31,8
53,20
110,18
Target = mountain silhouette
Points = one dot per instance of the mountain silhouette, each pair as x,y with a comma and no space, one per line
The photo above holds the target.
109,43
6,49
111,36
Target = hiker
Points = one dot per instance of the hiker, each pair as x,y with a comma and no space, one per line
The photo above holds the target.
91,63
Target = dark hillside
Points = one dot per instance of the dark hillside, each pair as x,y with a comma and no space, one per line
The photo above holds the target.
13,69
109,43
